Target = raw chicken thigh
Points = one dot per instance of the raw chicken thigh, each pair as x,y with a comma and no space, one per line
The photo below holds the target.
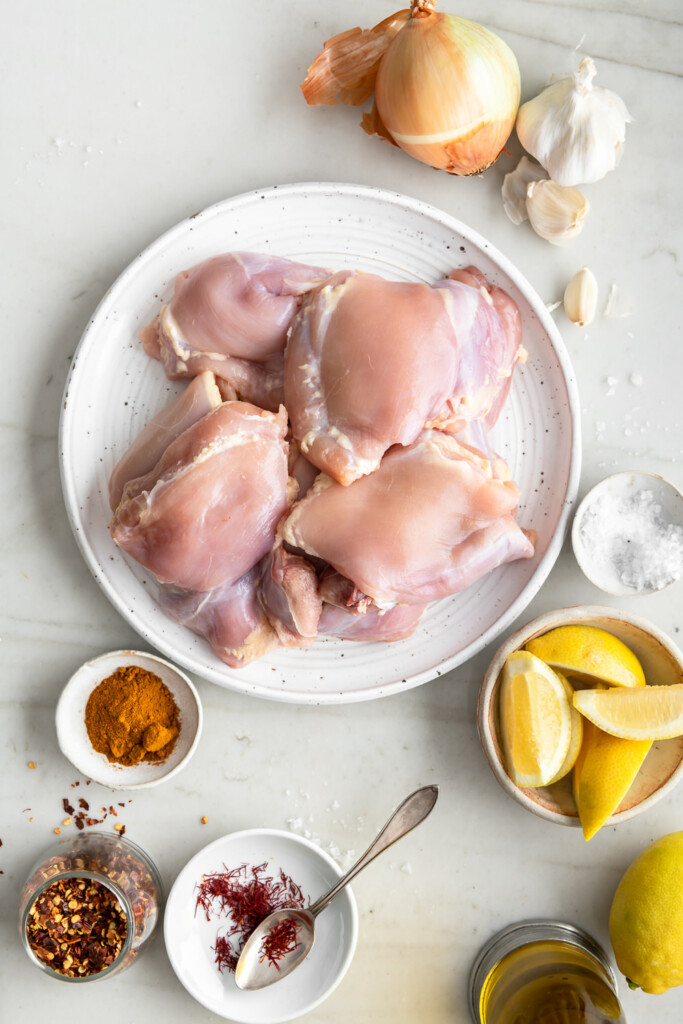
350,614
289,595
369,363
356,376
230,314
275,604
230,617
397,623
430,521
488,350
208,511
391,389
193,402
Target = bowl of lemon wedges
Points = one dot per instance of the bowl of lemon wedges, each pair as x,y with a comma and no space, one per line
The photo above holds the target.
581,716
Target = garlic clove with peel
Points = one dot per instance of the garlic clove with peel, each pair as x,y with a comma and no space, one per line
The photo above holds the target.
555,212
515,185
574,129
581,297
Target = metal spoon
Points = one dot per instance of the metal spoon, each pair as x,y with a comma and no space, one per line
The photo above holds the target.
254,970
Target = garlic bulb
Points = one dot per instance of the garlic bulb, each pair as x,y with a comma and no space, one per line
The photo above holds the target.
581,297
515,185
574,129
446,89
555,213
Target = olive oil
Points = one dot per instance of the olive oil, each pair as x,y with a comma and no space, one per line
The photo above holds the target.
543,973
549,983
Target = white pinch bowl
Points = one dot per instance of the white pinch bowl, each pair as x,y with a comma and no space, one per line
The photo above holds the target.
621,485
189,936
72,734
662,663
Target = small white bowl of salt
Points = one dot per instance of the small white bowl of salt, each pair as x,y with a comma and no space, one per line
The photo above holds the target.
627,534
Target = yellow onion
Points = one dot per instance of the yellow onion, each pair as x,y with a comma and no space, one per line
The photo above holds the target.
446,89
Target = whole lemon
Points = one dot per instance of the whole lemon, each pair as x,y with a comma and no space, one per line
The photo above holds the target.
646,919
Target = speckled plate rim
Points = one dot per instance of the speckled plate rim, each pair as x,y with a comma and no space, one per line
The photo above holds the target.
541,624
232,679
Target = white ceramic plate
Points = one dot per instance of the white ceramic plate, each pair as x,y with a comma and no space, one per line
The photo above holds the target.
113,389
189,937
72,734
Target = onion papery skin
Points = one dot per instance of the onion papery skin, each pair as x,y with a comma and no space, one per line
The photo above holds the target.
447,92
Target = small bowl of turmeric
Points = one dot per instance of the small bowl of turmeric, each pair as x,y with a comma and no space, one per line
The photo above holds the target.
129,720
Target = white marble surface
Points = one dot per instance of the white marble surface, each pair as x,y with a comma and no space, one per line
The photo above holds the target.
118,121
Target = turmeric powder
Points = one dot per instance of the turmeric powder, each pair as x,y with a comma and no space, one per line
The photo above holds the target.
131,716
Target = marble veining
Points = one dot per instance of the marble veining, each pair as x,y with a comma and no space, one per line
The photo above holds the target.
121,120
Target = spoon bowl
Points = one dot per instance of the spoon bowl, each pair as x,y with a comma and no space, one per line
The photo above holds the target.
260,964
300,931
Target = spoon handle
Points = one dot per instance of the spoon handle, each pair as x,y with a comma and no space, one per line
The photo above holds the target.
407,815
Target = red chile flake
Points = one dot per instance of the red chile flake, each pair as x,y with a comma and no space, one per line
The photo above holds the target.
246,895
77,927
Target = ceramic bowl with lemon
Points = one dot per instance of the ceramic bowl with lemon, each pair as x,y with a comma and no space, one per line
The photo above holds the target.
581,716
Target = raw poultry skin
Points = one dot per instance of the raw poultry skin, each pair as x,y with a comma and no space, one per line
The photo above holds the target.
208,510
199,397
230,314
373,625
369,363
289,595
380,377
428,523
230,618
350,614
488,350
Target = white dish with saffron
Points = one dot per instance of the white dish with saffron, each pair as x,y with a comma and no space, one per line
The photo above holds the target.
627,534
192,939
72,734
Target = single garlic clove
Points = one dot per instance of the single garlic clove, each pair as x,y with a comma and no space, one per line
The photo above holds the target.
574,129
515,185
581,297
555,212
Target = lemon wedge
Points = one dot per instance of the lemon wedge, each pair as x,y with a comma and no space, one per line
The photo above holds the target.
650,713
603,774
576,732
535,720
590,654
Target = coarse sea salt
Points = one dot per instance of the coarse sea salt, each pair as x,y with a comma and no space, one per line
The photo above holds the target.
630,539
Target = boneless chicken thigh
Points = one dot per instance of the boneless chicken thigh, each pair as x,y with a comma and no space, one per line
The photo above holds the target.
369,363
288,593
230,314
199,397
230,617
208,510
388,389
350,614
489,329
429,522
